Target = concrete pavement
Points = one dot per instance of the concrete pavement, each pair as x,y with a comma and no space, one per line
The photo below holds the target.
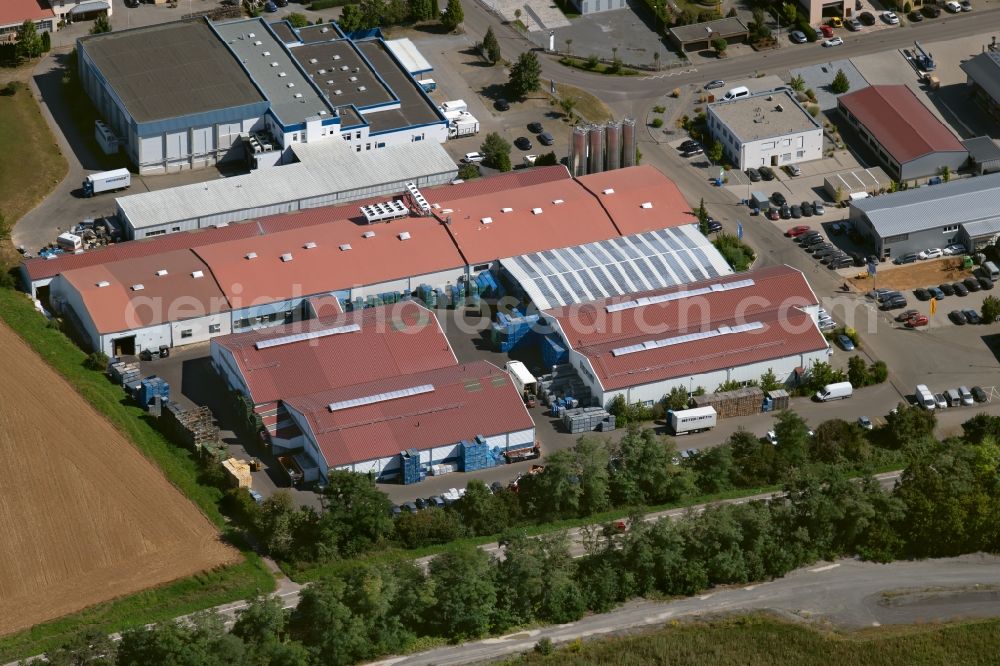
848,593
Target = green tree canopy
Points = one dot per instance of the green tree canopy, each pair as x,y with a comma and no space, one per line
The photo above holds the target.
29,43
297,20
101,25
491,46
840,83
453,15
525,75
355,515
464,592
496,151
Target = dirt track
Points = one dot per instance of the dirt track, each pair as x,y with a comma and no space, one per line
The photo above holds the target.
84,517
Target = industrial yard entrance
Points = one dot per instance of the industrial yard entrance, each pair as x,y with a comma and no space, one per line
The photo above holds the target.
125,346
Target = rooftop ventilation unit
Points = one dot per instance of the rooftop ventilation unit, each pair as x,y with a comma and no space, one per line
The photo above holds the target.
368,234
352,78
362,88
325,30
297,95
646,204
197,274
282,74
506,210
251,255
290,84
258,43
344,68
405,235
138,287
557,201
345,247
338,91
418,198
487,220
609,191
336,56
322,71
274,64
286,256
265,53
103,283
689,337
161,272
313,61
322,112
677,295
536,211
310,245
384,211
381,397
311,335
251,35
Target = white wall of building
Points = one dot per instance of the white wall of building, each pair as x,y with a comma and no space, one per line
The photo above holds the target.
777,151
150,337
200,329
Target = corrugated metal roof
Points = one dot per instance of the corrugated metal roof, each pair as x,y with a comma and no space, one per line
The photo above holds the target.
982,228
452,412
137,292
956,202
773,301
617,266
409,55
17,11
900,122
984,69
982,149
393,340
333,167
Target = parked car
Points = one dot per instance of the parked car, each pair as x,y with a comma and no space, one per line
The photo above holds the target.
501,105
837,256
954,249
953,6
714,226
697,150
960,289
813,248
793,170
932,253
903,316
957,317
922,294
523,142
778,199
972,316
985,283
881,295
808,238
689,144
473,158
798,37
807,209
836,22
947,289
535,128
845,342
930,11
773,214
908,258
818,208
786,212
766,172
797,231
269,6
546,139
971,283
865,423
826,31
842,262
936,292
966,6
812,242
865,18
917,320
712,85
753,175
853,24
894,303
978,394
890,18
796,212
833,41
915,17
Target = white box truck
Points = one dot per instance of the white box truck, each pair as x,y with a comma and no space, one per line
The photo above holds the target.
465,124
837,391
525,382
454,105
106,181
924,397
684,421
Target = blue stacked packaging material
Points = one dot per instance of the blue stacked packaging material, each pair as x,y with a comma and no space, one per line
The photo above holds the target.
442,298
488,286
151,388
475,455
553,353
511,332
410,462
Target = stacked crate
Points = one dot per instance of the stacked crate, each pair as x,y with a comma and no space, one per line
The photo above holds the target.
553,351
153,387
474,455
488,285
194,428
741,402
510,332
587,419
410,462
124,373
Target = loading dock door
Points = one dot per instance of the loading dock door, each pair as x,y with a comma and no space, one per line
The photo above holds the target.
124,346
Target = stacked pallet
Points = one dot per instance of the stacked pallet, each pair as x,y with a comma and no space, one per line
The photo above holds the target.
741,402
194,428
587,419
776,400
239,472
124,373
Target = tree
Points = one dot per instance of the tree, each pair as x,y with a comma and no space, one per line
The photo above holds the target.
567,104
351,18
857,372
468,171
714,467
769,381
792,448
907,8
591,455
88,647
325,624
569,46
840,83
201,640
479,511
496,152
428,527
46,42
797,83
101,25
720,45
422,10
395,12
355,515
701,214
29,44
677,398
908,426
279,526
453,15
991,309
525,75
491,46
464,592
836,441
753,460
546,159
946,173
261,624
656,60
715,152
297,20
791,13
556,491
821,374
642,471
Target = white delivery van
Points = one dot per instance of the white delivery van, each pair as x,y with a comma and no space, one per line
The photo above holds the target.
737,93
685,421
524,381
924,397
837,391
990,270
966,396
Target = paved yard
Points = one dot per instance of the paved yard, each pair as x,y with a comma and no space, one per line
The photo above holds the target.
819,77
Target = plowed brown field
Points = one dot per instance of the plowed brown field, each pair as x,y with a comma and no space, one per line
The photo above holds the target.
84,517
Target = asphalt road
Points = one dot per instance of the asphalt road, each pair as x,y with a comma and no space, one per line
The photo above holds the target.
847,593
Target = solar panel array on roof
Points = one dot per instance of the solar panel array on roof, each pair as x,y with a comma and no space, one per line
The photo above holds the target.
617,266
